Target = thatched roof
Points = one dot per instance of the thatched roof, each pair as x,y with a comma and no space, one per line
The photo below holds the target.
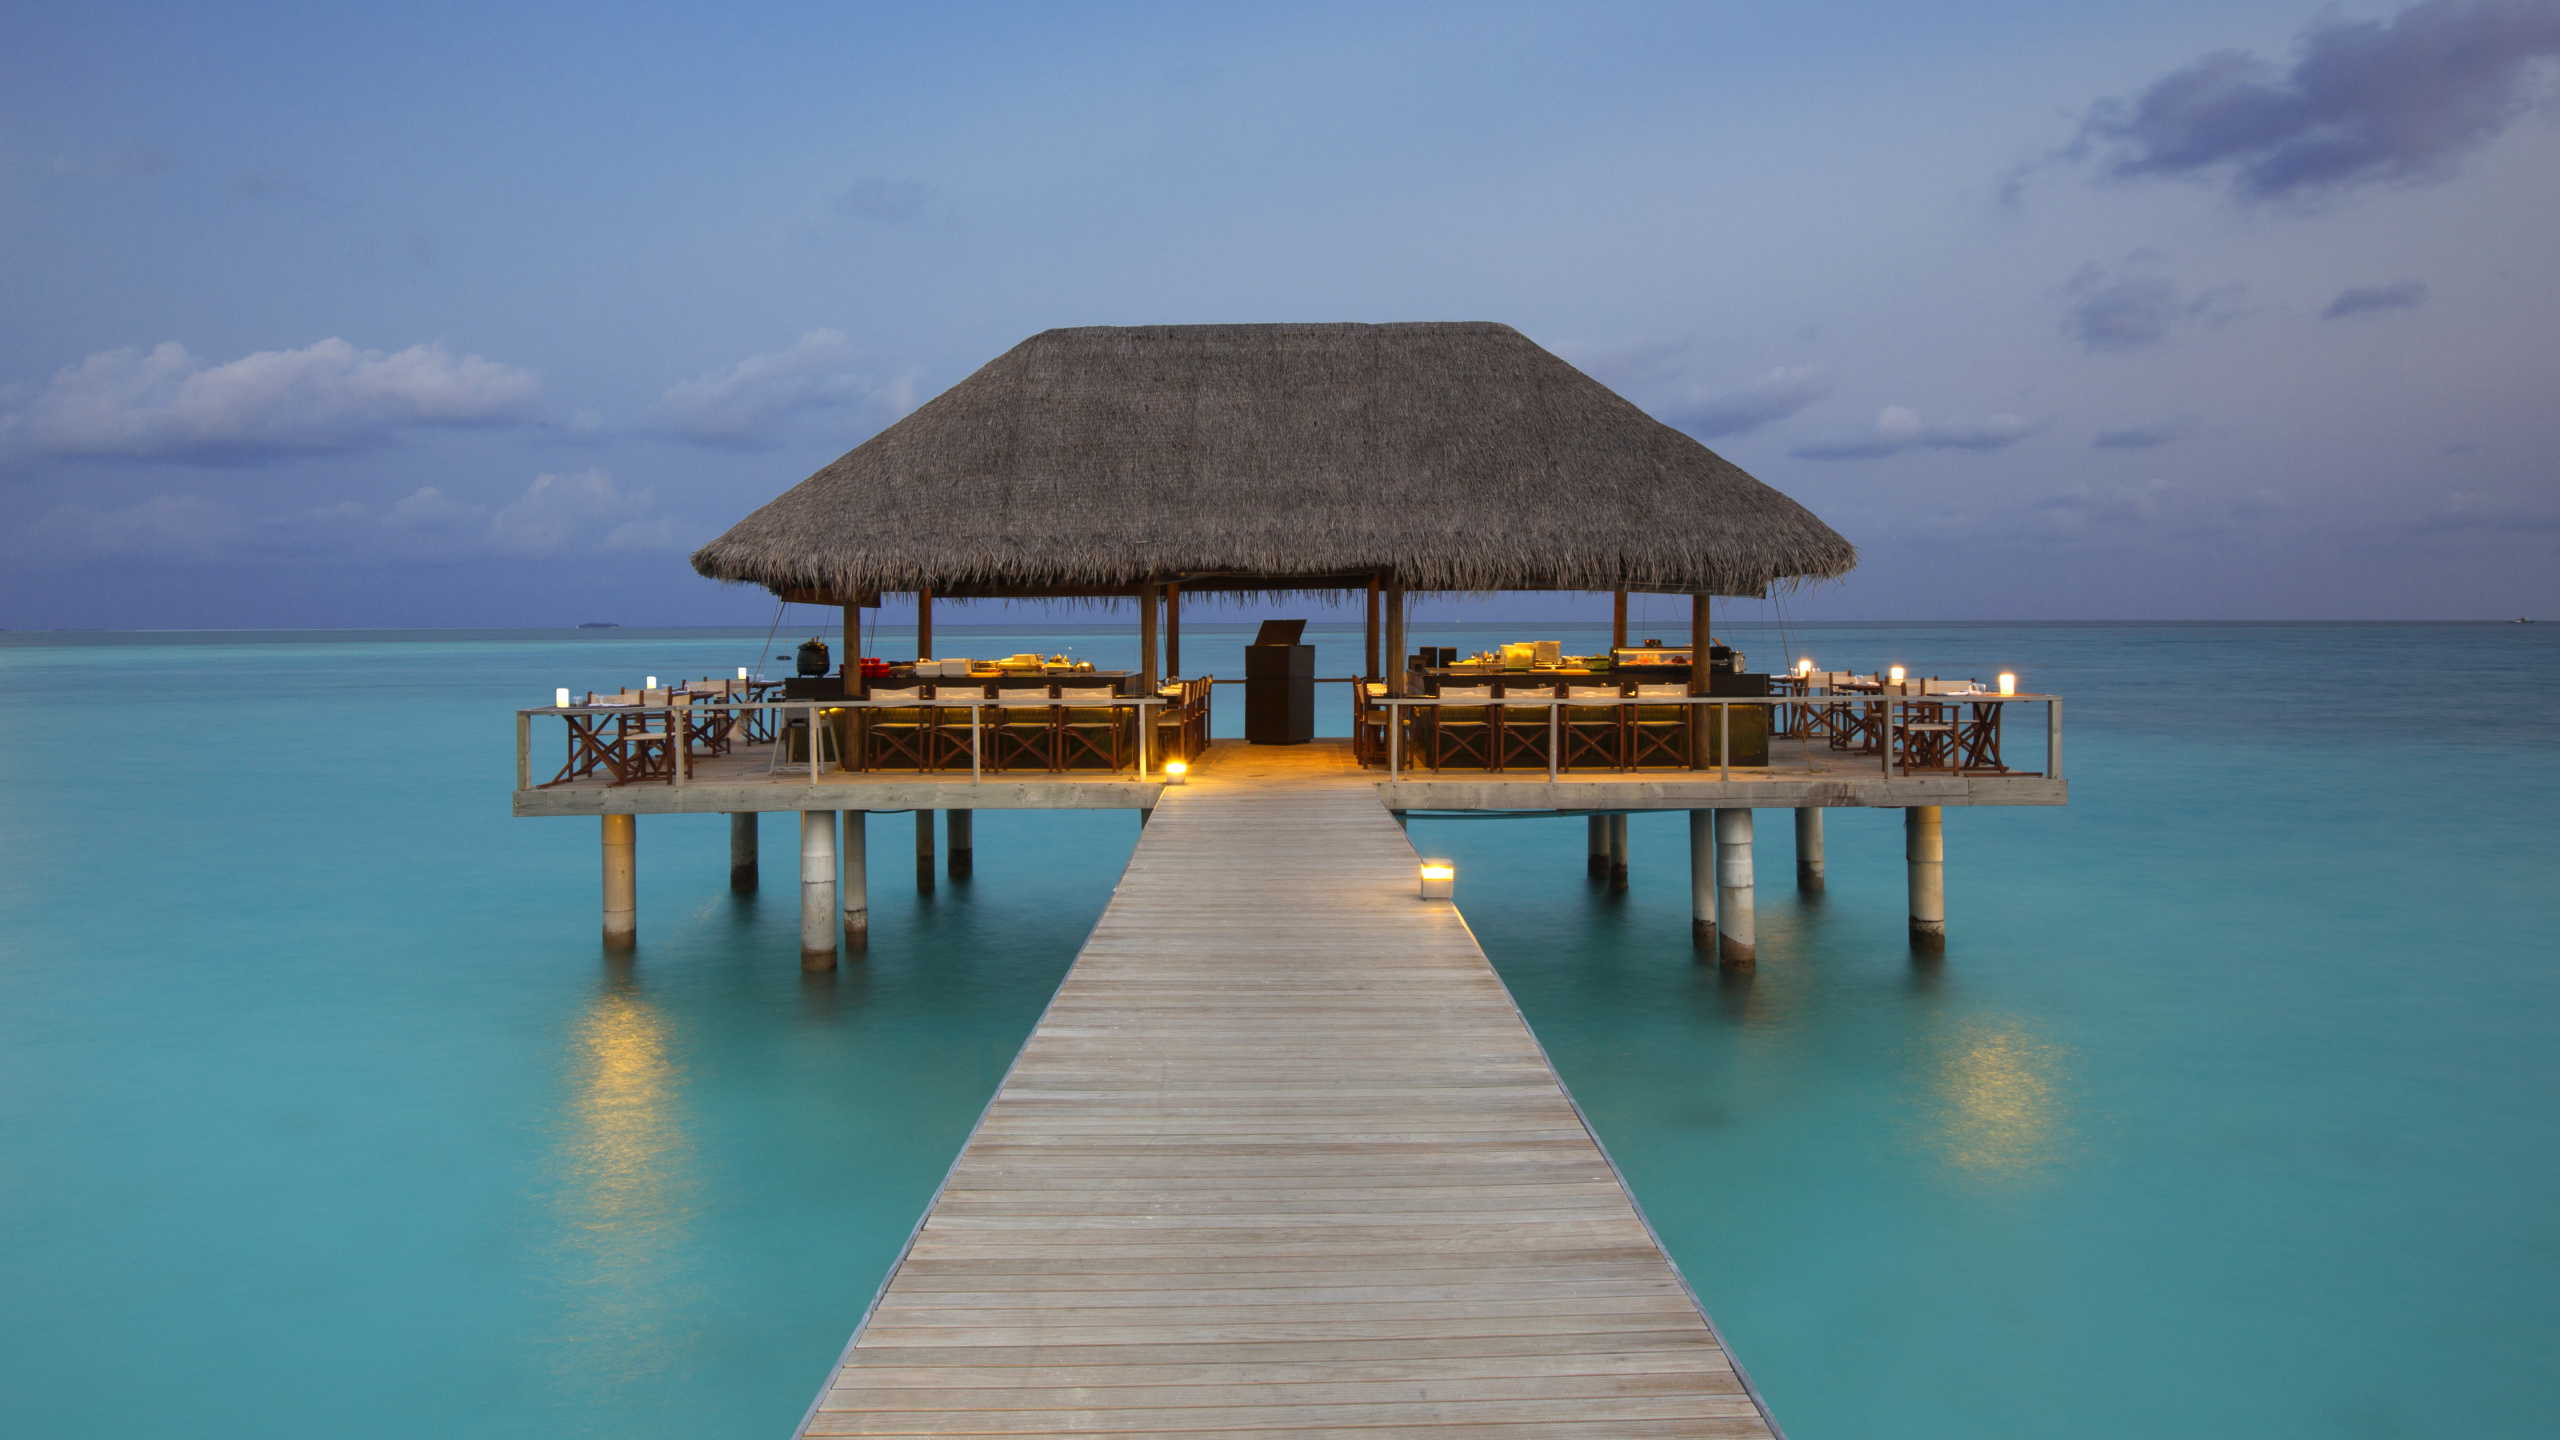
1452,457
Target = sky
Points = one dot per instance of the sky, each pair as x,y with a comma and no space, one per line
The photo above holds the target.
320,316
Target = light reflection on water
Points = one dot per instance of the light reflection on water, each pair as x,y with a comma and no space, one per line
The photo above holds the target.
2000,1096
624,1187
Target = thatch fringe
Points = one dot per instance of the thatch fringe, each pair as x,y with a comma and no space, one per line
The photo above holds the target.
1450,457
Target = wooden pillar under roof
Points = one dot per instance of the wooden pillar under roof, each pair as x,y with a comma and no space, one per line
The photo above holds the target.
1372,671
1701,619
853,636
1618,621
1173,631
924,624
1147,600
1395,638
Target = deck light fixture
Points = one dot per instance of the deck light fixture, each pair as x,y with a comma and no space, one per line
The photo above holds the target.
1437,877
562,700
2008,683
742,672
1804,667
1176,772
1894,674
653,681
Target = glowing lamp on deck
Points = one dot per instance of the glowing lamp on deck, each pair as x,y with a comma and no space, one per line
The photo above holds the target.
1437,877
1175,771
742,672
1894,675
653,682
2008,683
1804,667
562,702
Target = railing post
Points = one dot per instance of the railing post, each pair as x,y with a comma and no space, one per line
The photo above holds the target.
524,750
2053,738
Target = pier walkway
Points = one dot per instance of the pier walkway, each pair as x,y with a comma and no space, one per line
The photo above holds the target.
1282,1158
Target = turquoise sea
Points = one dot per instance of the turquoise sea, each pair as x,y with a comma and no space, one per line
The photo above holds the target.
2233,1109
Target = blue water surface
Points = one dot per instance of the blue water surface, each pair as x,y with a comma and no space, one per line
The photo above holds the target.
2230,1110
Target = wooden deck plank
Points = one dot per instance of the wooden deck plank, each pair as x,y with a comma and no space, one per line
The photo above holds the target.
1282,1158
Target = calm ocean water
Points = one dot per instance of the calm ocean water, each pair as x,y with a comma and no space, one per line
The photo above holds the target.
2233,1109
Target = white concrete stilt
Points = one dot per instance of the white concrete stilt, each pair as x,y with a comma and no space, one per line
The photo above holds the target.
1617,852
818,890
1598,864
1809,850
1924,848
1737,932
857,882
964,851
924,852
742,850
1702,881
621,882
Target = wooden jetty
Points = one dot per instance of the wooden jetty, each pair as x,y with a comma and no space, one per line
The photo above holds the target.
1282,1156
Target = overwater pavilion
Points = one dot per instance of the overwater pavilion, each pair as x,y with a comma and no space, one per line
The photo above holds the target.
1140,465
1281,1156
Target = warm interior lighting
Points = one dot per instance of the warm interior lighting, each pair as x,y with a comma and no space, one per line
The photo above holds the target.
1436,878
1894,675
2008,683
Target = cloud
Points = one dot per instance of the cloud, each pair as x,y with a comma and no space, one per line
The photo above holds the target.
1897,429
2115,308
744,407
169,405
165,527
1771,398
2143,437
559,511
2364,299
430,511
2364,103
891,202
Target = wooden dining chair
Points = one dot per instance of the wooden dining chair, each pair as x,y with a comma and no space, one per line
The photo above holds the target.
1659,734
1092,732
1465,732
1024,727
1524,732
899,736
1593,735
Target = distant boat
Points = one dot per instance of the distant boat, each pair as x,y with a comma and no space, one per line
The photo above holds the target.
2523,620
598,625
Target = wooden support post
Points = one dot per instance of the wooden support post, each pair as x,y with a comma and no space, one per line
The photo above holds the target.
1809,879
1700,607
818,922
1173,632
1596,864
924,625
1618,621
1737,934
1373,672
1149,597
621,882
742,850
857,882
1702,881
924,852
964,849
1617,852
1924,849
853,637
1395,639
